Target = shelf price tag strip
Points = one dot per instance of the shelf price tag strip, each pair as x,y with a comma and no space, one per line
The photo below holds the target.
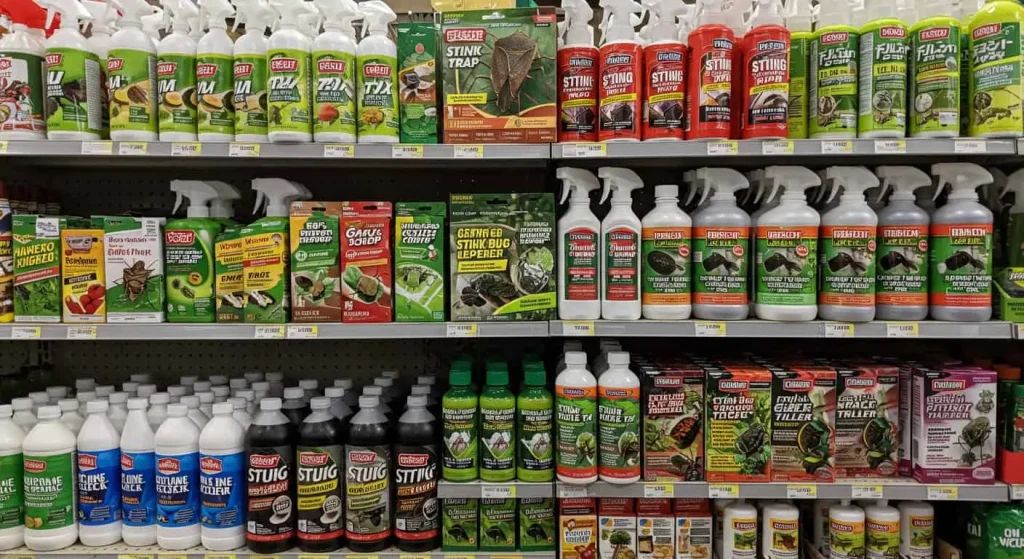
269,332
723,491
658,490
943,492
461,330
890,146
581,328
571,492
1017,492
837,146
969,146
303,332
26,332
802,491
901,330
709,329
866,492
98,148
498,491
777,147
723,147
839,330
406,151
135,556
186,149
339,151
584,150
132,148
81,333
471,151
244,150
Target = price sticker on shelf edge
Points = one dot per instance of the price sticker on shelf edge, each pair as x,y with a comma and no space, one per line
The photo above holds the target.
404,556
219,556
578,328
26,332
837,146
839,330
307,556
459,330
469,151
132,148
802,491
406,151
186,149
305,332
969,146
890,146
450,556
3,147
506,556
866,491
359,556
81,333
943,493
339,151
723,147
269,333
584,150
658,490
171,556
135,556
901,330
1017,492
709,329
507,491
723,491
570,492
777,147
279,557
97,148
244,150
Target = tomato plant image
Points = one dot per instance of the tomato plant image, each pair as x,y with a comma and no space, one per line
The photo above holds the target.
87,303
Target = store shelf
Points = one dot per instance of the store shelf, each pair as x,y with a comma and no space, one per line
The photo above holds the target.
123,551
767,329
491,490
895,489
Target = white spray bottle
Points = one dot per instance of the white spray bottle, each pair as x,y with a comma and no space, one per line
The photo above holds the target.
334,53
665,257
28,119
847,248
215,73
250,70
902,267
153,24
131,61
88,124
378,75
579,232
721,249
288,85
222,207
176,76
620,246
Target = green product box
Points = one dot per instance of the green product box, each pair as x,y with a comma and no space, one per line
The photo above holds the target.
265,278
134,268
316,261
1008,294
537,526
419,261
460,523
37,284
417,79
497,524
189,268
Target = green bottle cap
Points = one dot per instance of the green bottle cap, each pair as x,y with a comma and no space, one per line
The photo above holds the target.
459,377
497,376
534,374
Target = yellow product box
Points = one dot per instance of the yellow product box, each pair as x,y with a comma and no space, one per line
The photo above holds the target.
229,285
265,257
82,275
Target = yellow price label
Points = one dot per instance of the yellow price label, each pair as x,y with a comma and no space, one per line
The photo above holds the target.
507,491
839,330
709,329
578,328
409,556
359,556
3,147
407,151
278,557
219,556
586,149
723,491
723,147
269,332
186,149
837,146
901,329
802,491
97,148
339,151
777,147
867,491
658,490
890,146
460,330
305,556
943,492
135,556
26,333
472,151
81,333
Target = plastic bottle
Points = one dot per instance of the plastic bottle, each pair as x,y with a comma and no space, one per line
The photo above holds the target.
417,522
460,424
934,99
215,73
576,429
289,72
239,411
882,530
883,68
497,428
220,394
535,427
799,22
916,518
295,406
832,100
104,391
577,76
56,393
846,530
222,481
70,416
339,409
960,266
711,75
194,233
138,483
739,524
176,76
902,265
85,396
131,389
334,75
992,78
176,445
765,52
368,468
721,248
49,466
321,472
250,65
27,113
131,61
84,384
848,245
23,416
75,64
618,426
157,412
376,57
194,413
99,478
270,446
664,75
12,483
620,246
579,231
666,231
118,410
390,392
206,403
779,523
39,399
620,67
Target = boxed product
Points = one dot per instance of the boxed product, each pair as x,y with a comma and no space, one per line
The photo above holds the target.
134,268
867,421
693,529
497,524
803,418
82,271
617,523
417,79
316,261
460,524
537,524
366,262
577,526
419,262
738,423
656,529
37,258
229,284
265,278
673,441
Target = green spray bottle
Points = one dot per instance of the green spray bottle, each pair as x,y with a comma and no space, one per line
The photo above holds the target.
882,107
832,87
497,427
460,424
189,255
996,86
799,22
534,426
935,59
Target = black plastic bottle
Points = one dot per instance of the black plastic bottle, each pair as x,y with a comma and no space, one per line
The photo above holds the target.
369,504
417,509
320,484
270,471
295,407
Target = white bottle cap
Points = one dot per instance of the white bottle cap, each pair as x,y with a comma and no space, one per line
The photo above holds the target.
68,404
160,398
97,406
202,386
575,358
238,384
417,401
219,380
176,390
104,390
275,377
146,390
220,392
254,376
334,392
293,393
22,404
6,411
223,408
345,383
86,396
205,397
308,384
320,403
384,382
39,398
247,395
389,374
368,401
618,358
177,410
49,412
420,390
189,380
192,402
374,391
426,379
236,403
666,191
84,384
118,398
270,404
137,404
57,392
130,387
141,378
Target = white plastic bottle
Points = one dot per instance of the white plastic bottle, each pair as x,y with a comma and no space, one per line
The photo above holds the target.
846,524
84,384
219,380
240,411
620,246
847,247
310,388
177,480
576,403
200,386
206,400
916,518
721,248
819,525
56,393
138,477
189,382
49,459
131,61
215,73
618,425
377,61
288,85
579,232
145,391
78,62
222,480
220,394
157,412
26,52
176,69
782,519
334,71
104,391
118,410
12,485
194,413
666,231
276,381
901,290
39,399
131,389
99,478
23,416
739,523
881,530
102,26
69,415
717,526
176,391
85,397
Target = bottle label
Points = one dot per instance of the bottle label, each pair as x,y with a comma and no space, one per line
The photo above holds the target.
883,539
12,491
576,453
497,433
417,509
534,429
665,73
460,443
138,488
131,82
922,536
618,432
222,483
787,263
99,487
577,101
961,265
177,490
250,95
216,88
378,105
935,79
580,264
367,494
621,281
783,539
666,265
797,114
74,91
996,79
833,83
720,265
744,538
883,80
847,265
902,265
176,83
49,491
21,99
766,78
269,475
320,489
334,96
713,64
846,539
619,91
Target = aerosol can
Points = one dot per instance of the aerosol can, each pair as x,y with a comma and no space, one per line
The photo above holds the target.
288,75
577,76
579,232
721,249
620,246
847,248
176,76
74,63
334,73
215,73
250,70
665,257
901,284
621,63
960,269
377,59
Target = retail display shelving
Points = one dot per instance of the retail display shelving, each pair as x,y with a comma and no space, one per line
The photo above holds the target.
766,329
494,490
122,551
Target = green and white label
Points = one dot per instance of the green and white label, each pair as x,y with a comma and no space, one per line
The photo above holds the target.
12,488
73,91
833,82
533,437
618,432
787,263
461,436
288,87
378,101
49,491
621,253
996,87
215,85
902,268
848,265
797,118
961,265
334,94
131,81
251,100
935,79
21,98
497,434
720,265
575,428
666,265
176,82
883,80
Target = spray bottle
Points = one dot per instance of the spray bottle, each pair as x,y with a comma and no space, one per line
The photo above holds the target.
378,75
902,265
664,75
734,11
1014,235
765,52
578,231
787,248
848,246
665,242
994,70
131,76
934,86
832,100
176,76
70,58
250,70
25,54
334,53
577,76
190,280
711,76
721,249
620,246
289,73
960,267
152,24
799,22
215,73
222,207
104,20
883,73
621,60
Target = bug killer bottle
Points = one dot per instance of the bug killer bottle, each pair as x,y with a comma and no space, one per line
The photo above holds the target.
215,73
368,470
620,246
270,448
577,76
377,60
996,84
72,62
250,64
664,75
711,76
131,66
765,51
621,61
901,289
934,83
799,23
176,76
665,257
832,79
288,75
417,509
25,54
883,73
579,231
321,469
721,248
334,72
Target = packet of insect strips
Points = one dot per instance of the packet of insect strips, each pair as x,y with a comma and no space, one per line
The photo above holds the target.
134,268
460,523
419,261
497,524
537,524
316,263
417,79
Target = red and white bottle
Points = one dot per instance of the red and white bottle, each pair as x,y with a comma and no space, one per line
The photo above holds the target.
621,62
577,76
711,75
664,76
765,97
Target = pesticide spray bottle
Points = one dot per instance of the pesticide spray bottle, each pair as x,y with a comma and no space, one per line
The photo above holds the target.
620,246
848,246
288,75
377,58
25,54
799,22
577,76
621,62
176,76
787,248
996,84
883,73
578,231
74,65
334,72
721,249
832,79
934,83
665,240
960,267
104,21
131,76
215,73
190,280
765,55
711,75
902,265
1014,236
735,12
250,70
664,75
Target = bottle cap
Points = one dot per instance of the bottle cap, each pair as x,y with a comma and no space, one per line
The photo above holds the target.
419,390
137,403
205,397
130,387
177,410
146,390
237,403
21,404
275,377
238,384
220,392
97,406
334,392
105,390
426,379
498,376
223,408
39,398
142,378
534,374
368,402
254,376
6,411
384,382
202,386
373,391
389,374
417,401
219,380
118,398
57,392
308,384
666,191
320,403
84,384
618,358
576,358
158,398
86,396
261,386
49,412
270,404
345,383
247,395
191,401
68,404
177,390
459,377
189,380
293,393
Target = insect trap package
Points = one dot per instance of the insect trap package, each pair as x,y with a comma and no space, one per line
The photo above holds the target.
498,70
134,250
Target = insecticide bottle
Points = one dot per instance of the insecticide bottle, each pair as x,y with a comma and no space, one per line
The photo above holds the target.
138,484
739,531
577,76
176,76
882,530
75,68
917,529
417,522
576,428
902,266
934,76
618,425
215,73
534,424
819,525
99,478
664,75
832,79
250,70
131,76
288,82
12,483
49,473
996,85
23,415
711,75
369,509
270,448
222,481
765,54
177,480
579,231
497,427
377,62
334,72
960,266
780,525
721,249
787,248
26,115
845,531
620,246
294,407
621,66
1014,228
848,246
460,421
882,87
799,22
717,528
190,296
240,411
665,253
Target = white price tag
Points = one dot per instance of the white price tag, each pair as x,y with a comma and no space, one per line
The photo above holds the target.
571,492
866,491
901,329
498,491
269,333
132,148
461,330
407,151
723,491
890,146
709,329
837,146
777,147
1017,492
839,330
969,146
304,332
134,556
186,149
659,490
244,150
584,150
81,333
723,147
473,151
26,333
943,492
802,491
578,328
339,151
97,148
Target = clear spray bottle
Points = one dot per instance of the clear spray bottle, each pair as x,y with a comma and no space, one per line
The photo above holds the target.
721,249
902,265
579,232
620,246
